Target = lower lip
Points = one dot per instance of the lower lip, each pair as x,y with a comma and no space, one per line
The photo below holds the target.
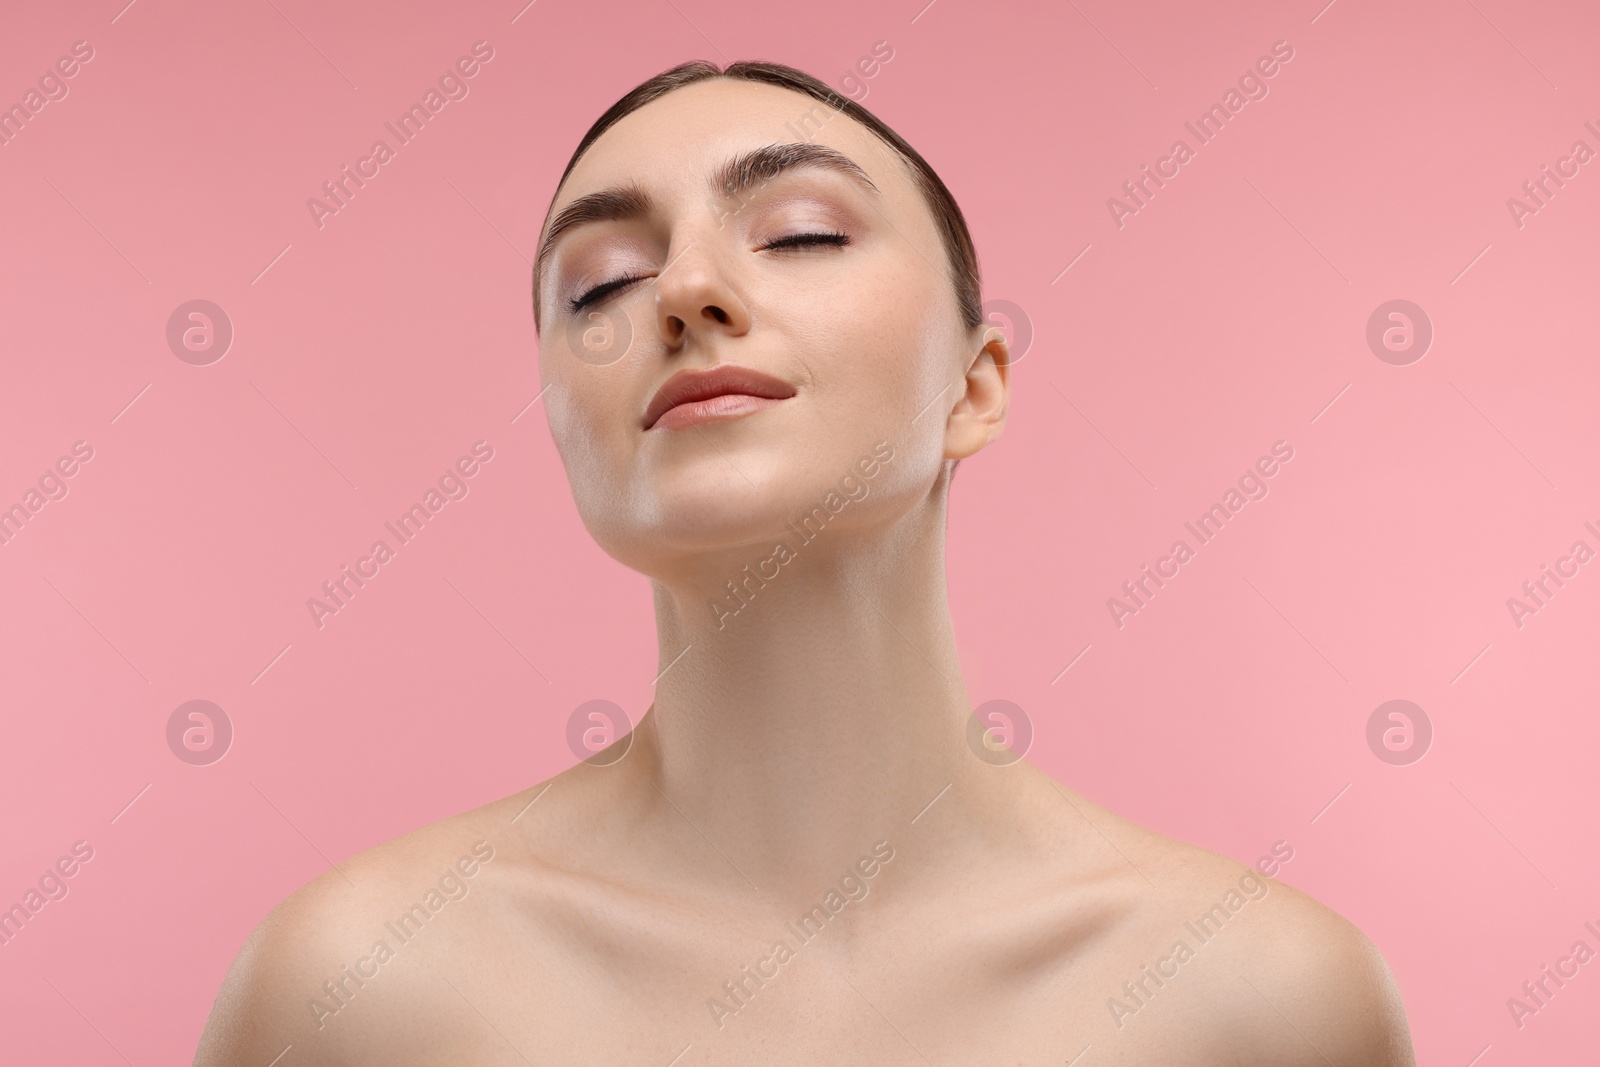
726,406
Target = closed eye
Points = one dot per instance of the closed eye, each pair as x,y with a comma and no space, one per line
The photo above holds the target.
801,239
797,240
603,290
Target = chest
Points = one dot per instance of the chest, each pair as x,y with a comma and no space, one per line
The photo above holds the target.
786,998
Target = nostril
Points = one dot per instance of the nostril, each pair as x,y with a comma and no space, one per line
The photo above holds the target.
717,313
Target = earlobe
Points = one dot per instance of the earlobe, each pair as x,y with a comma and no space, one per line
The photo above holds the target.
979,415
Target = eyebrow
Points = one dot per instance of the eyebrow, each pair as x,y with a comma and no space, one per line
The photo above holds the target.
734,176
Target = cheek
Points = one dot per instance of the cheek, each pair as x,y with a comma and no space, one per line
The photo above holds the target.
588,419
902,364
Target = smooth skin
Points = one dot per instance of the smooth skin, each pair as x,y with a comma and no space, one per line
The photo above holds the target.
826,719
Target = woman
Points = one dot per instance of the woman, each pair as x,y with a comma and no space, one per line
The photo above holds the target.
761,337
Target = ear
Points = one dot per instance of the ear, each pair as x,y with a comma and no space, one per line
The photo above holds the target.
979,415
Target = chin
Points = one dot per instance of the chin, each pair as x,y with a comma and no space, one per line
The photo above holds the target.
702,522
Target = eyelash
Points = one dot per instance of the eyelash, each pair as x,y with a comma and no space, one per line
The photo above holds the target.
798,240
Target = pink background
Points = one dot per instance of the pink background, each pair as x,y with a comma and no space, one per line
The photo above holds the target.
1226,315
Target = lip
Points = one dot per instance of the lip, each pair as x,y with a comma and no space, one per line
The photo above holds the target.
747,390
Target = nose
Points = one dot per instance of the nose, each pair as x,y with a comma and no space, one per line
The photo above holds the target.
696,297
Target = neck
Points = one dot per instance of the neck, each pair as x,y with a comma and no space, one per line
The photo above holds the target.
824,714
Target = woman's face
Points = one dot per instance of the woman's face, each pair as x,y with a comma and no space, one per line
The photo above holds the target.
863,329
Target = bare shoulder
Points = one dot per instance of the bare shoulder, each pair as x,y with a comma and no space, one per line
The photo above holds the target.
1317,982
340,968
1279,977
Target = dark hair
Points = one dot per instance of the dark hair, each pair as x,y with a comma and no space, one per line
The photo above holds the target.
952,225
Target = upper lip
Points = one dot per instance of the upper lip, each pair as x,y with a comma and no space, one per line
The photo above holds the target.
689,385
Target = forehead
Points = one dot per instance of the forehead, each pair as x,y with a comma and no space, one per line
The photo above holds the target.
672,143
